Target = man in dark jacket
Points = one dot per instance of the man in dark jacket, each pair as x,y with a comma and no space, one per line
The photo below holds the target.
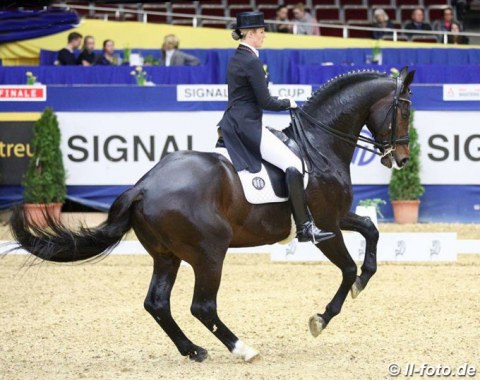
246,140
66,56
417,23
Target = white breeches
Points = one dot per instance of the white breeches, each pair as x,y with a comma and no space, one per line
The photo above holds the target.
277,153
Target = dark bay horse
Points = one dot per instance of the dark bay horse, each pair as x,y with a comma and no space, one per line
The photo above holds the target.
191,207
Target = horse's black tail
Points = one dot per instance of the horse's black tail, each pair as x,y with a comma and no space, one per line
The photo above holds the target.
57,243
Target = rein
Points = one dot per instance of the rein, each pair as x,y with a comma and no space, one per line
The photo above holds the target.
385,147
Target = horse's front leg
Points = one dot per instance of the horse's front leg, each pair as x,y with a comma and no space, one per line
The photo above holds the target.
363,225
337,253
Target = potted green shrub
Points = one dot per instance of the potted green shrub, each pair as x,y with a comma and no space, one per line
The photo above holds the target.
44,180
405,188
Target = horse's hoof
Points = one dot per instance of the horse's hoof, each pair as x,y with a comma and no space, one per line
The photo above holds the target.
198,355
316,324
356,288
247,353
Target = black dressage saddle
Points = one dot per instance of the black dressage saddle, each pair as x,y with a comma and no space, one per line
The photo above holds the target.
276,175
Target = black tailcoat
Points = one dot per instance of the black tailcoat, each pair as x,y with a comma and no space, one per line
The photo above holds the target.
248,95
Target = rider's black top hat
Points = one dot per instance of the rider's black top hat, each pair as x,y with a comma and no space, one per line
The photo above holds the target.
249,20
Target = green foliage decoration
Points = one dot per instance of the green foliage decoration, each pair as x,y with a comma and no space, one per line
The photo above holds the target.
44,180
405,183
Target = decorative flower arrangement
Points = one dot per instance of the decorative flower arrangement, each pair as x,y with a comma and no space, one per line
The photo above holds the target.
31,79
394,73
375,203
140,75
126,55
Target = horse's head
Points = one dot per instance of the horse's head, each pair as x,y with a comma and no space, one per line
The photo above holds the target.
388,121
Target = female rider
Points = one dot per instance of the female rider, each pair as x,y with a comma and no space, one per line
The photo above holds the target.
246,140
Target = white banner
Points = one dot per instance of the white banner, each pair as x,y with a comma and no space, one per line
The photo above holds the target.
461,92
118,148
219,92
391,247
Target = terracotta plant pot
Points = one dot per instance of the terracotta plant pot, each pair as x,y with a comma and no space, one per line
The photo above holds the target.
405,211
36,213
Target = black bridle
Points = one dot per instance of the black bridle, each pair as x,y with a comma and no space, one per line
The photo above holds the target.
385,147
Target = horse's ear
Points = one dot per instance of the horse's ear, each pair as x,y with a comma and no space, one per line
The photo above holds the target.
408,79
403,72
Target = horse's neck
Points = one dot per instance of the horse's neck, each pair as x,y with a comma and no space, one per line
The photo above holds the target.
347,113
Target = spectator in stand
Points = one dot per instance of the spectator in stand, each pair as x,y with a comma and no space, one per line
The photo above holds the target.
445,24
108,56
417,23
456,39
66,56
171,56
381,21
87,56
284,25
302,18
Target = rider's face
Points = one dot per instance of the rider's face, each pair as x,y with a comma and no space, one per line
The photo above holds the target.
257,37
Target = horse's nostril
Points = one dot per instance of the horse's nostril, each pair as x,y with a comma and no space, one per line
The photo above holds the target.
404,161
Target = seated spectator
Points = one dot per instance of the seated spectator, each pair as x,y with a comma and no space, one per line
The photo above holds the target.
66,56
381,21
302,18
283,26
456,39
87,56
417,23
171,56
108,56
445,23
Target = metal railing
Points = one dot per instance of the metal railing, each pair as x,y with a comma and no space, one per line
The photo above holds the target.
196,21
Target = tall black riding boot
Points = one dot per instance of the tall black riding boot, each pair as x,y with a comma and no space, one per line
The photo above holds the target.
306,229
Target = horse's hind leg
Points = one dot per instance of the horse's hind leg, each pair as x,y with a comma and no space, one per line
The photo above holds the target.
157,303
204,307
337,253
363,225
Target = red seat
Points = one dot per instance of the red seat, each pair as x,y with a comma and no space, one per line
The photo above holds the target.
232,10
406,13
267,2
269,12
434,12
183,9
425,39
428,3
328,13
351,2
355,13
212,2
401,3
360,33
379,3
293,3
327,2
212,11
214,24
240,2
331,32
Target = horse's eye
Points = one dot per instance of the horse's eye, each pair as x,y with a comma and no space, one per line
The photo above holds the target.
410,92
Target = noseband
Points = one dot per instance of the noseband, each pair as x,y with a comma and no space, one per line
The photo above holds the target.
385,147
388,146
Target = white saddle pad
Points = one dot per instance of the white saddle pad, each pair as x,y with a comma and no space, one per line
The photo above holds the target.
257,186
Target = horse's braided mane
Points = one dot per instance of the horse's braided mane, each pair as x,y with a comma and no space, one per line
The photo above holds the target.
335,84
